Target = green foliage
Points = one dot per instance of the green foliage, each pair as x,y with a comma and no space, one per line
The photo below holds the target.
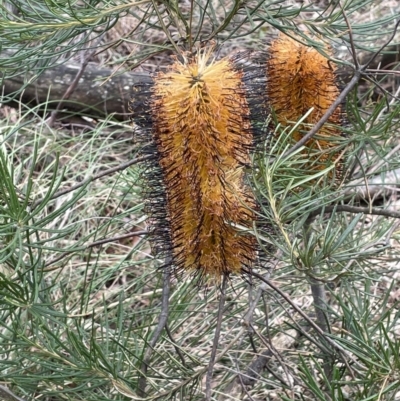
77,313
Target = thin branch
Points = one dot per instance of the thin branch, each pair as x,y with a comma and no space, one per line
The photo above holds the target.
242,384
162,321
57,259
376,54
167,394
226,21
353,49
275,353
385,160
178,351
95,177
117,238
340,99
298,326
247,320
355,209
69,91
165,29
8,395
318,292
381,88
190,25
210,368
358,73
93,244
319,296
304,315
75,82
383,72
254,369
391,231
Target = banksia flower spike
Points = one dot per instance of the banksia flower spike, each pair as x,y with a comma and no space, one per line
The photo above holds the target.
299,79
199,203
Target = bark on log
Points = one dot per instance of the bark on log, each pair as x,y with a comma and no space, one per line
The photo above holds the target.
91,97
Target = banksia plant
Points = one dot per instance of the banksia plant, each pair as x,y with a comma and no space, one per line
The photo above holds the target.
200,207
301,81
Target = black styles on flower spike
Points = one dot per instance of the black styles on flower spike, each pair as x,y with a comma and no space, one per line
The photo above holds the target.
197,130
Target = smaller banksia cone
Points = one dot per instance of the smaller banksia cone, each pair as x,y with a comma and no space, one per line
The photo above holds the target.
201,208
298,79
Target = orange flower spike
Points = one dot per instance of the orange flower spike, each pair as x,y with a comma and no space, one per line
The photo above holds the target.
202,132
300,78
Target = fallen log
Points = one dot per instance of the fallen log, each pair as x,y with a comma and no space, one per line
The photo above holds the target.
97,94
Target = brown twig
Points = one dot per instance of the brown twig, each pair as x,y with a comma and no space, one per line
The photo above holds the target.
376,54
259,364
93,244
354,209
178,351
254,369
8,395
74,83
353,49
165,28
383,72
242,384
316,328
318,292
117,238
210,368
95,177
353,82
275,353
358,73
162,321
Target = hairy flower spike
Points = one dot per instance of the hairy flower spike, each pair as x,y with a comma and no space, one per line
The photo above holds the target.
300,78
202,134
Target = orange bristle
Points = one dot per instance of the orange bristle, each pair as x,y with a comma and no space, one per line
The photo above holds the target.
202,133
300,78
